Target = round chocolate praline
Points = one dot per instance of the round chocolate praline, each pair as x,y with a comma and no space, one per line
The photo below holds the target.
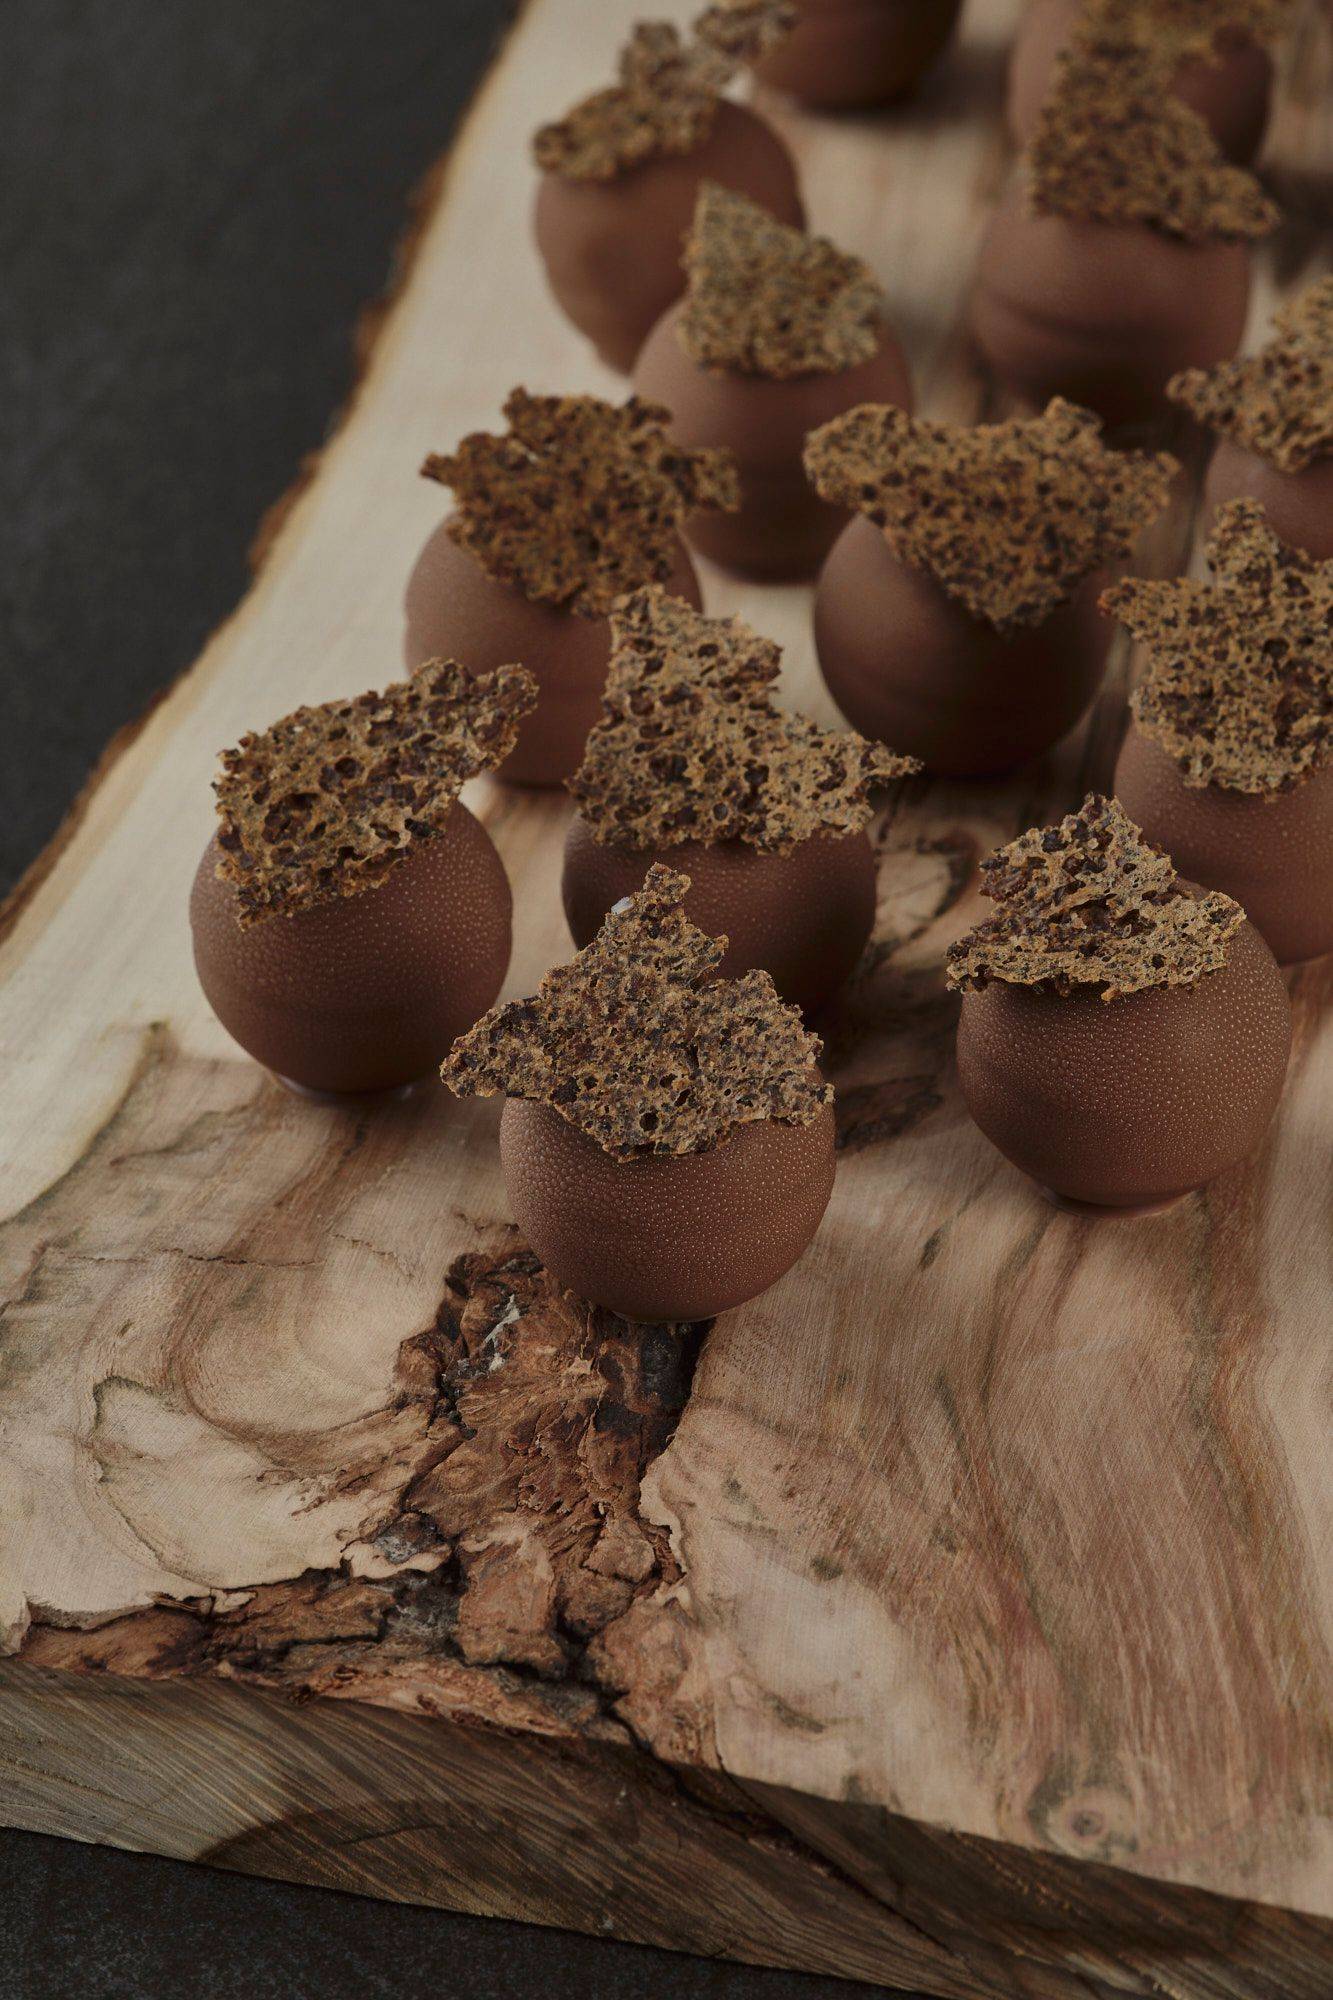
852,55
456,609
909,666
1298,505
804,916
666,1236
1273,854
1127,1104
783,530
361,993
612,248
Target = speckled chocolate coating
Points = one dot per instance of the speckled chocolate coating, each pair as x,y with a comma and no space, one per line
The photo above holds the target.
783,530
1232,95
455,608
1299,505
1131,1102
805,917
666,1238
1273,854
366,992
908,665
612,248
1101,313
850,55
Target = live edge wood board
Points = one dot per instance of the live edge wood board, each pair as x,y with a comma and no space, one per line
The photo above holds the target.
956,1617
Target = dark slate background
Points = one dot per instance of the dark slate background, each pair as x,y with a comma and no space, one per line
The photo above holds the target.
196,197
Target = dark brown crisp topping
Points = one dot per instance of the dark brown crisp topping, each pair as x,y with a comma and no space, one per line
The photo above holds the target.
1008,518
325,802
582,500
1090,902
640,1045
1277,403
1188,28
1240,687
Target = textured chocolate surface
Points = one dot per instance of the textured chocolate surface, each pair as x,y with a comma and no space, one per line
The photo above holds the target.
582,500
1277,403
766,299
637,1043
692,746
1186,27
327,800
1008,518
1091,903
1240,690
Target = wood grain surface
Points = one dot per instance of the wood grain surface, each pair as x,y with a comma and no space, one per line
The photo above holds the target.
958,1614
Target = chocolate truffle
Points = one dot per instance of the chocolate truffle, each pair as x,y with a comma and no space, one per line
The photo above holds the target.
350,916
957,616
1229,758
582,501
620,173
1273,414
694,764
1123,1036
1121,254
853,55
1219,51
667,1143
777,333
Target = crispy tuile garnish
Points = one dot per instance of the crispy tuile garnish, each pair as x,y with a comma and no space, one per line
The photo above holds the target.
582,500
1277,403
1240,688
1008,518
1189,28
668,91
766,299
1091,902
1114,144
692,746
640,1045
325,802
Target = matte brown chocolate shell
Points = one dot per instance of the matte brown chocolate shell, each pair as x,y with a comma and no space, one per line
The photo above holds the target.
1130,1103
783,530
612,248
804,917
1299,505
666,1237
1274,855
1102,313
369,992
457,610
851,55
909,666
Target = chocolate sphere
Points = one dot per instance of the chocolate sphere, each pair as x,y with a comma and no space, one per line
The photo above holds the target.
455,609
1274,855
666,1237
805,916
1128,1103
783,529
1102,313
1299,505
908,665
1231,94
612,248
368,992
848,55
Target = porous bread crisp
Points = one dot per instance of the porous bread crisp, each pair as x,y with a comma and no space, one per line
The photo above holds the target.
692,746
1091,902
1185,27
582,500
638,1043
1277,403
1008,518
1240,687
668,91
1114,144
324,802
765,299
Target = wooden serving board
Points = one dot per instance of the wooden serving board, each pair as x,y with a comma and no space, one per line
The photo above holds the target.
956,1616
